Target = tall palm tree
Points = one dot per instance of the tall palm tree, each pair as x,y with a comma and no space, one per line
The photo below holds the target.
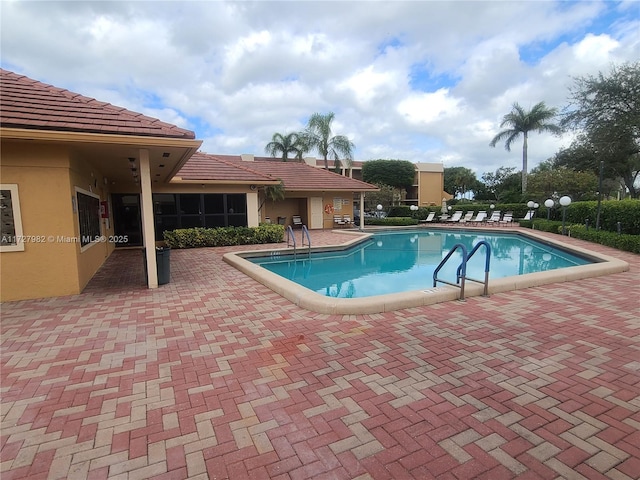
522,122
283,145
318,136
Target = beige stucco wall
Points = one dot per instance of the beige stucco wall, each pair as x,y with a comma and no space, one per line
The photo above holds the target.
52,266
430,190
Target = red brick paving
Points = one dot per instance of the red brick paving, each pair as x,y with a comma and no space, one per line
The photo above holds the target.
215,376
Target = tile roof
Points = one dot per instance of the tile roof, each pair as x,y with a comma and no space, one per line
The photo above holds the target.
294,175
202,166
29,104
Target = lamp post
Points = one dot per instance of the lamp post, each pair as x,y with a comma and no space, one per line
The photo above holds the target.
565,201
379,208
530,205
549,203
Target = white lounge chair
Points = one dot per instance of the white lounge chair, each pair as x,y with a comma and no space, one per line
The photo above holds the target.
480,217
429,218
337,219
467,217
346,219
457,215
495,217
507,219
529,215
297,221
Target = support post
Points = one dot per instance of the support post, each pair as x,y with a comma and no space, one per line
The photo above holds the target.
148,231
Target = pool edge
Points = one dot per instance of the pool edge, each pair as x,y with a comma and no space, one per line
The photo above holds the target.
305,298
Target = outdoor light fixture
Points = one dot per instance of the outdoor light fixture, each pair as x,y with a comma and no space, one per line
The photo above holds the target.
565,201
379,208
549,203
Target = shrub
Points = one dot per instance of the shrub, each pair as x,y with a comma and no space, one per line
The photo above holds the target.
391,221
626,242
223,236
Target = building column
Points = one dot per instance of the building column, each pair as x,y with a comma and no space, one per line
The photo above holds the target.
361,210
253,217
148,231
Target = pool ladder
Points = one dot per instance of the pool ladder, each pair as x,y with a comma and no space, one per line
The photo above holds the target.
461,272
291,239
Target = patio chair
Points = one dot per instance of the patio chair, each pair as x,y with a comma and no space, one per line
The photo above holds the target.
429,218
297,221
337,220
457,215
467,217
529,215
507,219
346,219
480,217
495,217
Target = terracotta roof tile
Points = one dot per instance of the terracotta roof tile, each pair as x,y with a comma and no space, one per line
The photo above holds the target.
295,175
27,103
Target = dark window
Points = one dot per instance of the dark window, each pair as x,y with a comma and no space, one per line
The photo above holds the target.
88,218
198,210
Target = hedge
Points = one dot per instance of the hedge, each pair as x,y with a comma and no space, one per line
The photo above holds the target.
223,236
626,242
627,212
391,221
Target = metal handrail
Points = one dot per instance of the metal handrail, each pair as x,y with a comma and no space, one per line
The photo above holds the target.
460,278
487,262
305,231
291,238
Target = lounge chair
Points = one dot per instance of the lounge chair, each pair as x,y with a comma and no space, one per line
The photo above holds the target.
495,217
297,221
337,220
507,219
480,217
429,218
457,215
467,217
444,217
529,215
346,219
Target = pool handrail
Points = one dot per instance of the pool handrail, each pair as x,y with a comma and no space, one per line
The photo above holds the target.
462,268
487,263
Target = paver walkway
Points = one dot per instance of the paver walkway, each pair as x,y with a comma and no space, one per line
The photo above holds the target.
215,376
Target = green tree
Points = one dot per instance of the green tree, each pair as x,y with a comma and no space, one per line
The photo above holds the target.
283,145
382,197
318,135
606,110
548,182
521,122
459,181
396,173
501,186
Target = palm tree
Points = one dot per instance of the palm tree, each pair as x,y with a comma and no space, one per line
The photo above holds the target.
284,145
318,136
522,122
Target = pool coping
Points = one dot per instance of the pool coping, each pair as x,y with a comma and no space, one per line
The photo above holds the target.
310,300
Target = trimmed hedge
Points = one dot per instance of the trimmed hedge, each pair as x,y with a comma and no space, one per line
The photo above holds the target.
223,236
626,242
391,221
627,212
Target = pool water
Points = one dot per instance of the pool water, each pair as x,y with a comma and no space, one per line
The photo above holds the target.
393,262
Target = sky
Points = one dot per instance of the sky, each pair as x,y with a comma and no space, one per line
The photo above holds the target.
424,81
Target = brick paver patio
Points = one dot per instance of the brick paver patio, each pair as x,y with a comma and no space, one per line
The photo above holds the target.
215,376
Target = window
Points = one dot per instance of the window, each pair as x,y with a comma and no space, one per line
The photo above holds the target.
88,217
198,210
11,239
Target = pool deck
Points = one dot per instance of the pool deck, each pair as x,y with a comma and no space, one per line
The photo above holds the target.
216,376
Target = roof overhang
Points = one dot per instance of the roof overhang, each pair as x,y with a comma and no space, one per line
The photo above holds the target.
111,153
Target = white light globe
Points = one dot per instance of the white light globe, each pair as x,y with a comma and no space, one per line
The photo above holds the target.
530,204
379,207
549,203
565,201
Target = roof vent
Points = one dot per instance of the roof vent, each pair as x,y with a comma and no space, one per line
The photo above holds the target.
247,157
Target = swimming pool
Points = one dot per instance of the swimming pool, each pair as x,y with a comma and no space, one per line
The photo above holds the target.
392,262
425,294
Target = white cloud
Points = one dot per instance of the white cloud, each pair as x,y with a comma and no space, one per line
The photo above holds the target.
421,81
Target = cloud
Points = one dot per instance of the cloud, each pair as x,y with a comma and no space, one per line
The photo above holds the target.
421,81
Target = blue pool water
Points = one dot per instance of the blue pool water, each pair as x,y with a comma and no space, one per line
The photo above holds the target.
401,261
